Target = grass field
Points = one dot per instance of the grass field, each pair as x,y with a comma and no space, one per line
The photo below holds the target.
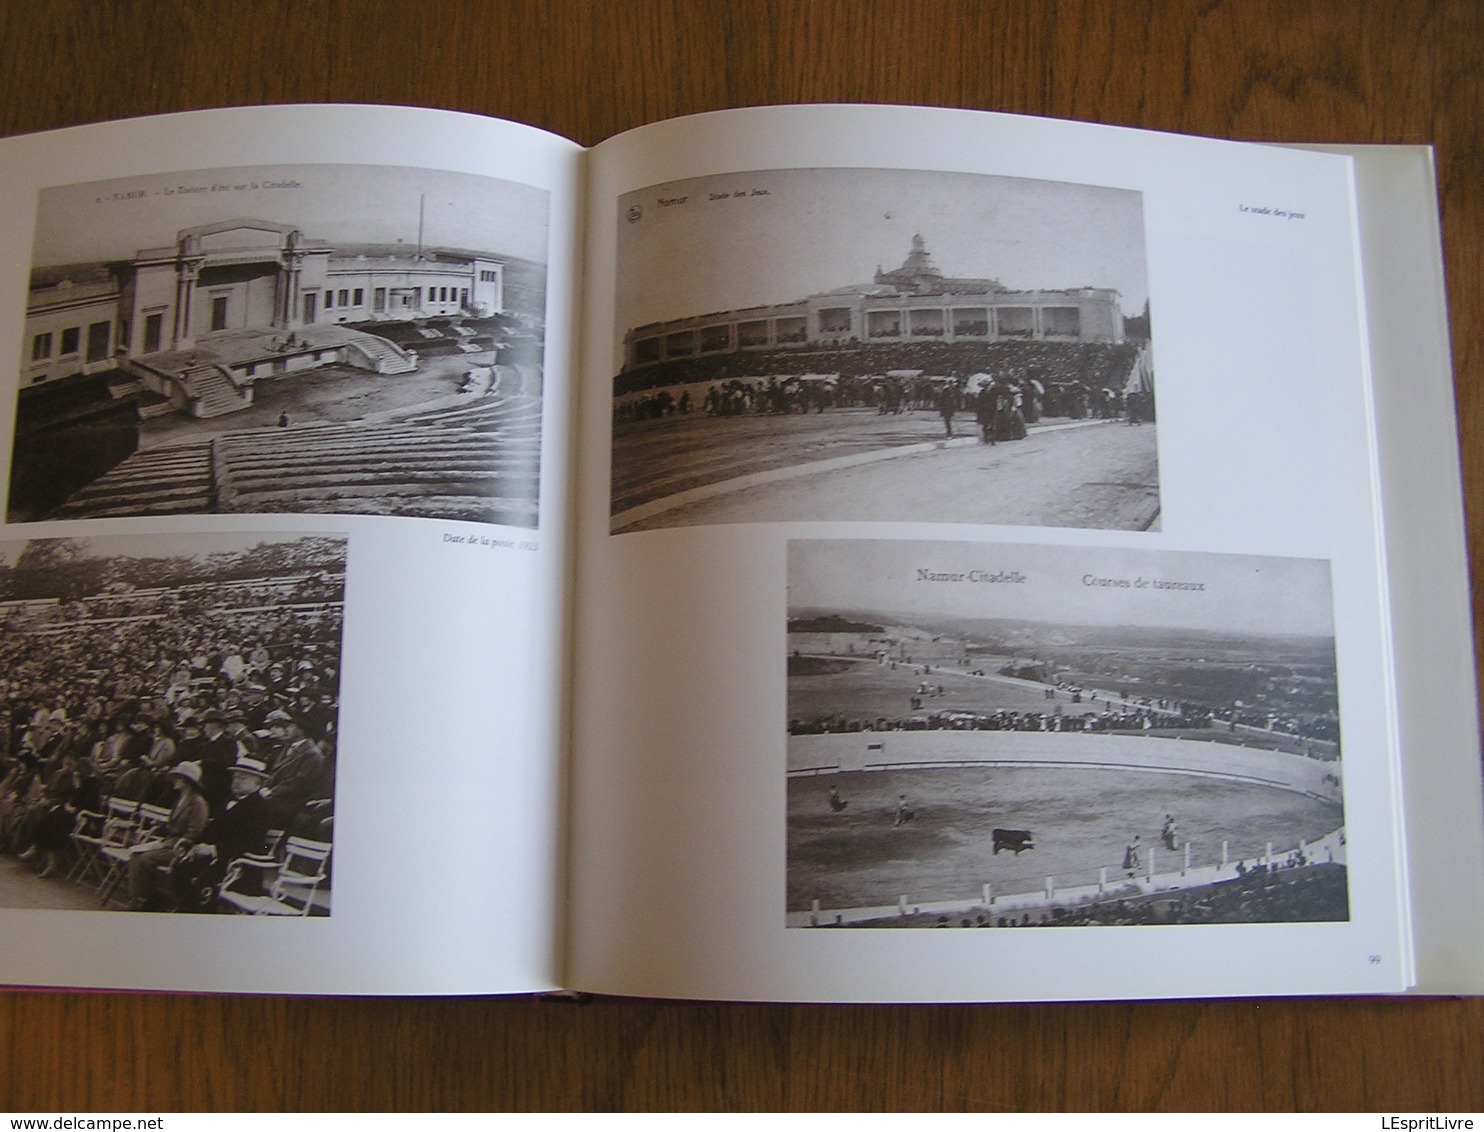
865,689
1081,820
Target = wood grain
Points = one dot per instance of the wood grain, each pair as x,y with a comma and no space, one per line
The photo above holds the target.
1280,70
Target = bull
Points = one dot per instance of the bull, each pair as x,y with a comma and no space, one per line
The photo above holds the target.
1017,839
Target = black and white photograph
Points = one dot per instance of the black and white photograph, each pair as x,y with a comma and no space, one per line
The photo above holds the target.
883,345
169,706
359,340
1001,736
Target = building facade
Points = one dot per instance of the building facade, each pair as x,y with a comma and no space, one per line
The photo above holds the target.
914,303
242,275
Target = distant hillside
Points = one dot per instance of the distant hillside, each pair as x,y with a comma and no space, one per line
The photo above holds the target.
1012,635
831,623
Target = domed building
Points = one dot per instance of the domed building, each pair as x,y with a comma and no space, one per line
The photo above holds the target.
915,302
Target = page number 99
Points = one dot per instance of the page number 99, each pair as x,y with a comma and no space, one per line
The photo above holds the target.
1373,960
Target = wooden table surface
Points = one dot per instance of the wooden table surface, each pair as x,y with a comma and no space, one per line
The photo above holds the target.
1281,70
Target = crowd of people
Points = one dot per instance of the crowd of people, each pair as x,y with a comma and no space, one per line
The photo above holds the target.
1026,381
217,701
1291,893
892,395
1279,893
858,367
1288,893
1087,710
1325,729
1136,719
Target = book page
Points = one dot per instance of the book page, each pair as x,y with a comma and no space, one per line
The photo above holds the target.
282,575
977,533
1438,714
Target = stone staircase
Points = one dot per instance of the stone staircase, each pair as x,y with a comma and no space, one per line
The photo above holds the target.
174,480
470,462
381,356
123,384
478,461
212,391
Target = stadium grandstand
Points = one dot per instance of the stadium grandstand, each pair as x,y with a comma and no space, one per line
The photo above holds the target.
912,318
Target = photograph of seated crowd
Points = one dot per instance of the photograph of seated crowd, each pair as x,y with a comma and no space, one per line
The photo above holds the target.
168,711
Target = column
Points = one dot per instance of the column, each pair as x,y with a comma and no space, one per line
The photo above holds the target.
185,294
288,278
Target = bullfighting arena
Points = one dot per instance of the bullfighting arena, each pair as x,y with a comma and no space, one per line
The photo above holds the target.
905,840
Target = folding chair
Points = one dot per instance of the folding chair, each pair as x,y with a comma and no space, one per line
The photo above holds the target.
293,887
146,825
87,838
114,838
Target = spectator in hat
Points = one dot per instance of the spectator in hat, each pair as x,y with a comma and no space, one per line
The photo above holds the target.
20,792
296,773
217,754
47,831
239,830
187,821
107,752
136,745
244,740
161,755
188,739
315,717
139,782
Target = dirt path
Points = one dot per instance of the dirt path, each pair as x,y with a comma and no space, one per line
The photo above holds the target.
1102,476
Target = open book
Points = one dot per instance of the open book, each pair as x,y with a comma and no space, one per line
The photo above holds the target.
814,553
